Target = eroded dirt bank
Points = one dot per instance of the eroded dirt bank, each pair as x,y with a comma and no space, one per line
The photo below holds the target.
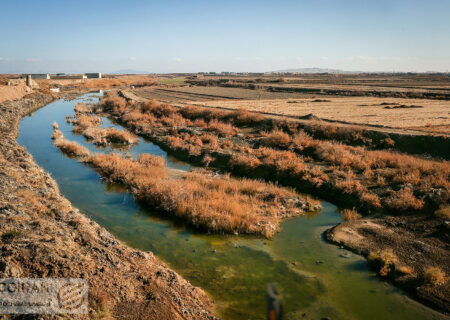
416,242
42,235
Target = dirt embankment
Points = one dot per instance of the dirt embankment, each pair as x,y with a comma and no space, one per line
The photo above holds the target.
42,235
417,243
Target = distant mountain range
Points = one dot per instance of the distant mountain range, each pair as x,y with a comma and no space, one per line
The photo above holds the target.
315,70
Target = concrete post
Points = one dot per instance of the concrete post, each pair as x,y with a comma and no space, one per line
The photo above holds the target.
29,80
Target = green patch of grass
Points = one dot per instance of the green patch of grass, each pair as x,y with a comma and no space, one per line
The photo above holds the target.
11,235
179,81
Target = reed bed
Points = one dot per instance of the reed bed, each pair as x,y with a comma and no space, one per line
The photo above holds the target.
216,203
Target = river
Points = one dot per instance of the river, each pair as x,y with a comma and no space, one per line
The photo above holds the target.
317,280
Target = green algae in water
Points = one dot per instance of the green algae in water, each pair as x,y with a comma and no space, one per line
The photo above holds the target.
316,279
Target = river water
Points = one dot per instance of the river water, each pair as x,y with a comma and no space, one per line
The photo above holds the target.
317,280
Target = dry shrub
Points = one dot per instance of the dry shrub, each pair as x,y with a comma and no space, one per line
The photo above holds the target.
138,119
277,138
111,101
370,199
208,159
443,212
199,123
404,269
84,122
245,117
244,161
221,128
435,276
211,141
151,160
158,109
301,140
349,186
404,200
350,214
176,143
120,136
173,120
194,113
384,261
80,107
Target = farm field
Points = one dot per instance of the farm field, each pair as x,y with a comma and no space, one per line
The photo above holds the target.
199,93
419,114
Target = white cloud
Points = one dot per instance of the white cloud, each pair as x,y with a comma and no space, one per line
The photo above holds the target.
32,60
177,59
299,59
3,59
324,58
132,59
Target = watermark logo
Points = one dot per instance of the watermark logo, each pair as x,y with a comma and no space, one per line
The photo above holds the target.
43,296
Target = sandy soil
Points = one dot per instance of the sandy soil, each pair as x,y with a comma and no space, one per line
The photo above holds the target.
13,92
53,239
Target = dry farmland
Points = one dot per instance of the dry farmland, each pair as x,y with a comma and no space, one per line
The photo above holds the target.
422,114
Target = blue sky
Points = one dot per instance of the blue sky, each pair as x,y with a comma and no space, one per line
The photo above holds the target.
191,36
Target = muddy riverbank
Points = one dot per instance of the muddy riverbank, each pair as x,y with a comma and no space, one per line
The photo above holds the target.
44,236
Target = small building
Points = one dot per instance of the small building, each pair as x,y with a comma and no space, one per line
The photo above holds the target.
93,75
69,76
36,75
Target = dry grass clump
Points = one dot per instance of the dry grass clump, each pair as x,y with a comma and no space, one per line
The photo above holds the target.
406,270
404,200
244,161
211,141
80,107
68,147
370,199
443,212
384,261
277,138
221,128
83,122
158,109
105,136
245,117
350,214
111,101
435,276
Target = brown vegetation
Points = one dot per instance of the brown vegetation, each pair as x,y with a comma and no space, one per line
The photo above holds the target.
435,276
292,154
68,147
213,202
350,214
384,261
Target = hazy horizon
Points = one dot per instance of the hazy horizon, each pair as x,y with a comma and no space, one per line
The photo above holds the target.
239,36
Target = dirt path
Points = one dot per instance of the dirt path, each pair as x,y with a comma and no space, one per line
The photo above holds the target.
53,239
